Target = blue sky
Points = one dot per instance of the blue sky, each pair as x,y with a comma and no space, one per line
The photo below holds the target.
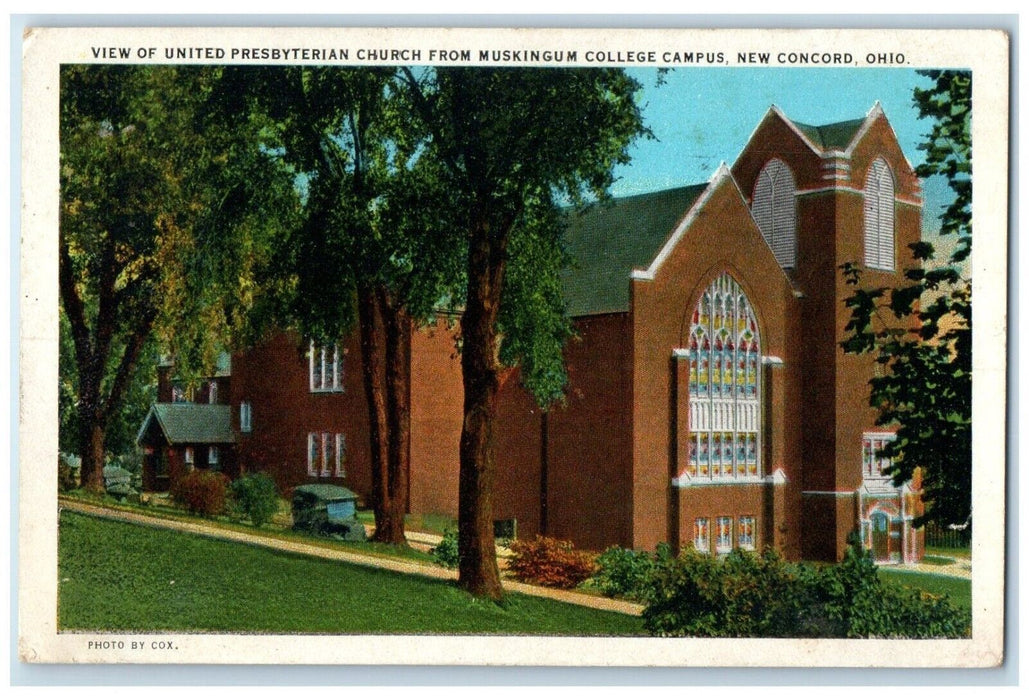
703,116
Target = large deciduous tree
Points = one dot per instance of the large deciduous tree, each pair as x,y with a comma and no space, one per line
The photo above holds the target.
164,218
515,144
921,331
374,249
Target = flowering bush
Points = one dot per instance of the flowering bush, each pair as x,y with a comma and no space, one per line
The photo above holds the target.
201,492
550,562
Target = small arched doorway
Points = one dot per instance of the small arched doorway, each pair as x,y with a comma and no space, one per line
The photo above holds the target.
880,523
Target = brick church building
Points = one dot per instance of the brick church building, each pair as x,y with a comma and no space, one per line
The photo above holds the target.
709,402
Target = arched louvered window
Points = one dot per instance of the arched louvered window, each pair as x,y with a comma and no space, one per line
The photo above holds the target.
879,210
724,385
775,210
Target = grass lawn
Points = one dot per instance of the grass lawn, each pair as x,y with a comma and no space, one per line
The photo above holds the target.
279,528
118,576
960,552
959,590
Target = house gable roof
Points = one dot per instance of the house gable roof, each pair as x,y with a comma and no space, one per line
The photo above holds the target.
184,423
610,239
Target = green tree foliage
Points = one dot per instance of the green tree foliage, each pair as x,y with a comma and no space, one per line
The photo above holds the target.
921,331
513,145
165,216
375,250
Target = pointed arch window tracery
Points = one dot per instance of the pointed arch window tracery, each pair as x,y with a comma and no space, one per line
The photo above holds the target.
774,208
724,385
880,203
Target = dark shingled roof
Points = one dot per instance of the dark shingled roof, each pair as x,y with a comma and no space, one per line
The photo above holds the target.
832,137
184,423
326,492
610,239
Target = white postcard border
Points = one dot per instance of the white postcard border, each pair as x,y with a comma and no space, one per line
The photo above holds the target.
985,53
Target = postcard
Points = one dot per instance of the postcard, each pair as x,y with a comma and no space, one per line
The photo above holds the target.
550,347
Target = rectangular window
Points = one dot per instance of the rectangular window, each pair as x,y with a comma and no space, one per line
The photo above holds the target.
212,392
341,455
188,455
326,367
313,451
212,456
747,532
245,416
701,535
328,453
874,466
179,394
724,534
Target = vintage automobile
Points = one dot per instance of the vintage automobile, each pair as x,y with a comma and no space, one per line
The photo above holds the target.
324,509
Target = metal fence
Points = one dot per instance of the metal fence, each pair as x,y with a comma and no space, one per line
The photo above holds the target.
937,536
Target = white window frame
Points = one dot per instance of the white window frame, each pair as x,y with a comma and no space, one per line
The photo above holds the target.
871,464
213,456
246,417
723,545
329,361
212,392
188,457
880,217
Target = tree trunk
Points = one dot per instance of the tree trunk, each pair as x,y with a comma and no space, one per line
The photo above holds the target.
398,410
91,446
477,569
372,333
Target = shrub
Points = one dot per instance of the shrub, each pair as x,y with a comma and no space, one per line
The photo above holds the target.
445,553
624,572
759,595
858,604
201,492
66,480
740,595
255,496
550,562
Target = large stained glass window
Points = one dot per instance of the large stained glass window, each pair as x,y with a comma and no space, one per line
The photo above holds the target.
724,385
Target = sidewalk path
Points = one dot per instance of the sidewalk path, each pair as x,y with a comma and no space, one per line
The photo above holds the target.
958,568
324,552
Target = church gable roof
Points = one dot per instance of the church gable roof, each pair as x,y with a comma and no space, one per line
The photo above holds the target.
610,239
832,137
826,139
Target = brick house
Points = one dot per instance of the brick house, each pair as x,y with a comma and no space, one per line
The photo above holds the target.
709,402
